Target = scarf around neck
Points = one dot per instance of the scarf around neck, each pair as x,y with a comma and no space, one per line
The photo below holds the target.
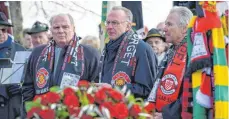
71,69
171,80
125,60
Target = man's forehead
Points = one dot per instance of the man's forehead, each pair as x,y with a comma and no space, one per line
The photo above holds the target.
61,18
155,38
39,34
116,14
61,24
172,18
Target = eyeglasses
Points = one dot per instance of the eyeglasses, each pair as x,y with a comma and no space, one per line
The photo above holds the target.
4,30
113,23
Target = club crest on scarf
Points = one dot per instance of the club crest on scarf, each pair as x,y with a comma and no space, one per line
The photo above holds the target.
42,77
125,60
169,84
120,79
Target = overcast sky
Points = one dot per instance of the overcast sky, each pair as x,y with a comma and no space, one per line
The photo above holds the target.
87,21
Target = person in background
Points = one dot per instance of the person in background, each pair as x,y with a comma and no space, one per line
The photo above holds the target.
157,41
160,26
92,41
82,63
27,40
126,59
39,33
10,94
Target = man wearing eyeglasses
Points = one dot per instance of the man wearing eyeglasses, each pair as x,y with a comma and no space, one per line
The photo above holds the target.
39,34
126,59
10,94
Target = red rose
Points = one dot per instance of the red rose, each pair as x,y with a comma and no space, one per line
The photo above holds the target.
150,107
36,97
122,111
90,98
115,95
42,97
32,111
74,111
47,98
71,101
69,91
134,110
110,107
83,83
84,116
47,114
44,100
100,96
105,89
52,97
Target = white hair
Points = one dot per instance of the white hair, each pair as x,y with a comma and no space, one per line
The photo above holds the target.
91,40
127,12
184,13
62,14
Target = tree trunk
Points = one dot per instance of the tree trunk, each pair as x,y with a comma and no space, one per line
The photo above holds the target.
16,17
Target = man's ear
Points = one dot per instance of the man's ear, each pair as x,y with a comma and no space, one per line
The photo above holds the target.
129,26
185,29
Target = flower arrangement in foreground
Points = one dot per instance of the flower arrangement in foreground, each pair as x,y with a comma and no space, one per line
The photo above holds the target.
87,101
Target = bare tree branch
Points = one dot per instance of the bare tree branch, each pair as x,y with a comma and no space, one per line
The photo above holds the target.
66,6
62,5
43,10
30,7
86,9
37,7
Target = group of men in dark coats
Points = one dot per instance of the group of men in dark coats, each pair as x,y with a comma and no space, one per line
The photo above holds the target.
125,60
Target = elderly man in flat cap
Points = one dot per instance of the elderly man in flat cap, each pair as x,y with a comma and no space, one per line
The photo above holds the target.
10,94
39,34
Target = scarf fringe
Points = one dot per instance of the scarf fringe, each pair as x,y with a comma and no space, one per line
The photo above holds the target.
197,65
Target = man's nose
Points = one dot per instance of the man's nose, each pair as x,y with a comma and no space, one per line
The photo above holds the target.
60,30
165,29
109,26
153,44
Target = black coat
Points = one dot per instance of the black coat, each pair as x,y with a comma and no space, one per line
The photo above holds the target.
10,94
146,67
91,66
